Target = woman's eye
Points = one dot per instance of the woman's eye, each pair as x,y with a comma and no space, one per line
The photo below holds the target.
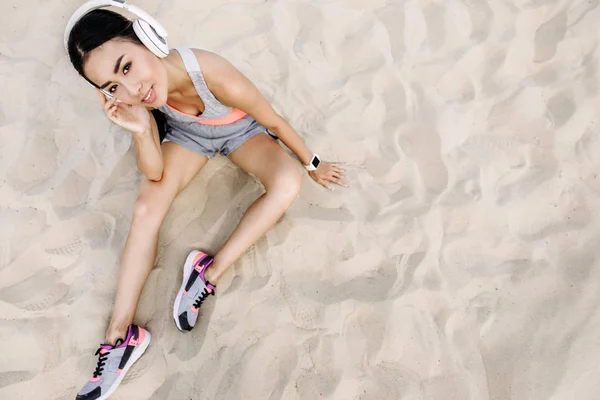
112,89
126,68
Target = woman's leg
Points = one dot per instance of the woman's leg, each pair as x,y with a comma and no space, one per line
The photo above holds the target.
282,179
151,207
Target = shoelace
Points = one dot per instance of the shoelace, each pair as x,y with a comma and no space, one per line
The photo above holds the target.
102,359
101,362
203,295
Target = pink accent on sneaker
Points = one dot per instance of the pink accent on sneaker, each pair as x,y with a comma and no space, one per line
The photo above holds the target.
194,309
103,351
119,371
129,336
185,292
209,290
142,335
202,268
95,379
132,342
198,257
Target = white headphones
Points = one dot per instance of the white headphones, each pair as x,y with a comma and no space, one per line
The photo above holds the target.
147,29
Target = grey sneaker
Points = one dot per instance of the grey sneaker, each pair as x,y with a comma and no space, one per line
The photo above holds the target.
113,364
194,290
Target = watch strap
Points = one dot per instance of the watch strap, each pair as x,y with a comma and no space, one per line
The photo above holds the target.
314,163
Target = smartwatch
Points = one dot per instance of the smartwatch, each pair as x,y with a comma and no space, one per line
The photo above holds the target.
314,163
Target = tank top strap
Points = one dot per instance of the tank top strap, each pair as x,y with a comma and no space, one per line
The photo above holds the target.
189,59
213,107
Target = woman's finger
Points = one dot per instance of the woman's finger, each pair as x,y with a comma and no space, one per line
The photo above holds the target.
110,103
114,109
338,182
337,169
324,184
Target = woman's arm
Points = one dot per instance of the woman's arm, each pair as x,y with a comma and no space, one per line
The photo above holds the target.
147,151
141,123
233,89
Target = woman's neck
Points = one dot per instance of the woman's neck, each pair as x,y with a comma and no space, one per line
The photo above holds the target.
177,75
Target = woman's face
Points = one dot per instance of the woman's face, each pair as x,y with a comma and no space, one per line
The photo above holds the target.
130,72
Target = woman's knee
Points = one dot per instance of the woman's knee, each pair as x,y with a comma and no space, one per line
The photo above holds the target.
286,184
152,206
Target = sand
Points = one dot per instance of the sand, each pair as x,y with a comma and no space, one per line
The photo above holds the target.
462,263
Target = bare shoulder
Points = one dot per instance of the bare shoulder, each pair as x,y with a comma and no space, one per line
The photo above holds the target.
212,63
204,54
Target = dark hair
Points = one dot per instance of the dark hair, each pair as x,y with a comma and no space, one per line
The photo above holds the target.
93,30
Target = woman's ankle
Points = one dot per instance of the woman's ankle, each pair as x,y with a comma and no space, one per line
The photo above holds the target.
212,274
115,332
215,271
208,275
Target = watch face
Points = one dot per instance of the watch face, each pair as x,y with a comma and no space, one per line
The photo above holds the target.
316,162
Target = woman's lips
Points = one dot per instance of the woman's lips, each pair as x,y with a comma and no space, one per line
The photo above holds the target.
151,96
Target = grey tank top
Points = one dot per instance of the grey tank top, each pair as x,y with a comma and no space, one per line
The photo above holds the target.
214,113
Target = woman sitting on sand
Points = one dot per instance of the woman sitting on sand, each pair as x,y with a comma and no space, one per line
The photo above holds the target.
206,106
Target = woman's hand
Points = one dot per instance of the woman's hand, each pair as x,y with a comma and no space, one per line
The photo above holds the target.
133,118
328,172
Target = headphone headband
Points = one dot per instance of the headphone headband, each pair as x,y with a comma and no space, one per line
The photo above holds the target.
96,4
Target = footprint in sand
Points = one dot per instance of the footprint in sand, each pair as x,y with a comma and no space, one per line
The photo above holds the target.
323,378
304,316
41,276
39,292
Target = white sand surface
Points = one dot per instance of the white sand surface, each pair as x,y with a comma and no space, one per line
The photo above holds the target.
462,263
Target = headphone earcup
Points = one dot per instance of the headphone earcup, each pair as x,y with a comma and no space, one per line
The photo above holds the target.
150,38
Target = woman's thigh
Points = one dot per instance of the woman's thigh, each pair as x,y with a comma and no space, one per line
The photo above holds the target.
180,167
264,158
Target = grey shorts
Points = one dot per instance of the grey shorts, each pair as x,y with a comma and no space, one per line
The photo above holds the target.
208,140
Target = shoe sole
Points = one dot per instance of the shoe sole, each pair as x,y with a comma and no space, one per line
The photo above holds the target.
187,271
135,355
